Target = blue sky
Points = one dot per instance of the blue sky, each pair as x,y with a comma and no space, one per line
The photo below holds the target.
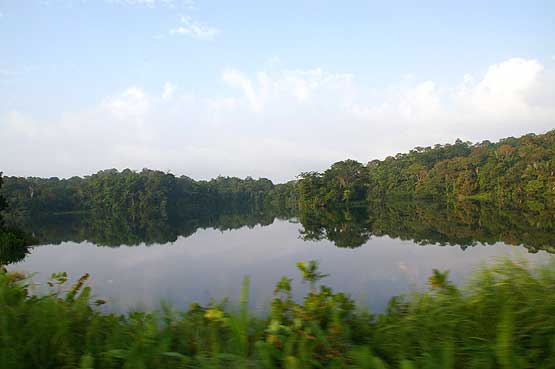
204,88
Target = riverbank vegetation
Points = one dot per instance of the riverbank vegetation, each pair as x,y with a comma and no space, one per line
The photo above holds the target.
13,241
447,194
148,193
504,318
511,172
486,192
514,172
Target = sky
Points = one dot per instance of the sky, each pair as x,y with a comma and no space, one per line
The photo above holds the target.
263,89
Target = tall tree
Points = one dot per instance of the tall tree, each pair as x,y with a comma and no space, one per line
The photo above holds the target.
3,203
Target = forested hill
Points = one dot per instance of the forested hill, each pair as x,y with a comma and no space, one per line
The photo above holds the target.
149,193
509,171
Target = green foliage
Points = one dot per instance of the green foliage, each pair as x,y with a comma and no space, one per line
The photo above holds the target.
310,272
3,203
345,182
509,172
13,241
504,318
514,173
146,194
128,208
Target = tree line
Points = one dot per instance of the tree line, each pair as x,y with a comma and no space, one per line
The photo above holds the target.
145,194
510,171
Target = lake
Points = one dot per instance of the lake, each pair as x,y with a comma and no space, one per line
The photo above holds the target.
371,253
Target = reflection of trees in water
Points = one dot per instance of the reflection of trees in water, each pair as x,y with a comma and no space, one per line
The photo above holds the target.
13,242
427,223
14,245
10,254
434,223
346,227
116,229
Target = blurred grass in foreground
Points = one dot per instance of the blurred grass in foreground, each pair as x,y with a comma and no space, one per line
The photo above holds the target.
504,318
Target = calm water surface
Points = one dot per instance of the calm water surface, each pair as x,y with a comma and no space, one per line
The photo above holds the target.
211,263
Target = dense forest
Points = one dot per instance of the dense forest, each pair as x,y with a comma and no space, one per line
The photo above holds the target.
348,203
144,194
510,171
115,208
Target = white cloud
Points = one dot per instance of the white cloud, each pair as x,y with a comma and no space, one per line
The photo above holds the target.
237,79
195,29
503,88
169,91
131,103
278,123
291,86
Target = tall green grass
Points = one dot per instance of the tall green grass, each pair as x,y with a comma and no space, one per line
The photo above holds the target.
504,318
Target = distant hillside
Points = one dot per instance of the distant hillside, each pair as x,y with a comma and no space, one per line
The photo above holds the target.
145,194
511,170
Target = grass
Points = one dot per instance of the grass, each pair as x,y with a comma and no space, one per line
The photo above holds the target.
504,318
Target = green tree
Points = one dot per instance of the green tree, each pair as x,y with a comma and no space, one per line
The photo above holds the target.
510,172
3,203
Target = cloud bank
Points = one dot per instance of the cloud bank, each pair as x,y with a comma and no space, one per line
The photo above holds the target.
277,123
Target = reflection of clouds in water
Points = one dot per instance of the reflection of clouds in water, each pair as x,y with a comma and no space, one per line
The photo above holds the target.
212,264
411,273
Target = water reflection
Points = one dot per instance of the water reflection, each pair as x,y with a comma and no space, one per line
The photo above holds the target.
12,255
463,224
371,252
116,230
